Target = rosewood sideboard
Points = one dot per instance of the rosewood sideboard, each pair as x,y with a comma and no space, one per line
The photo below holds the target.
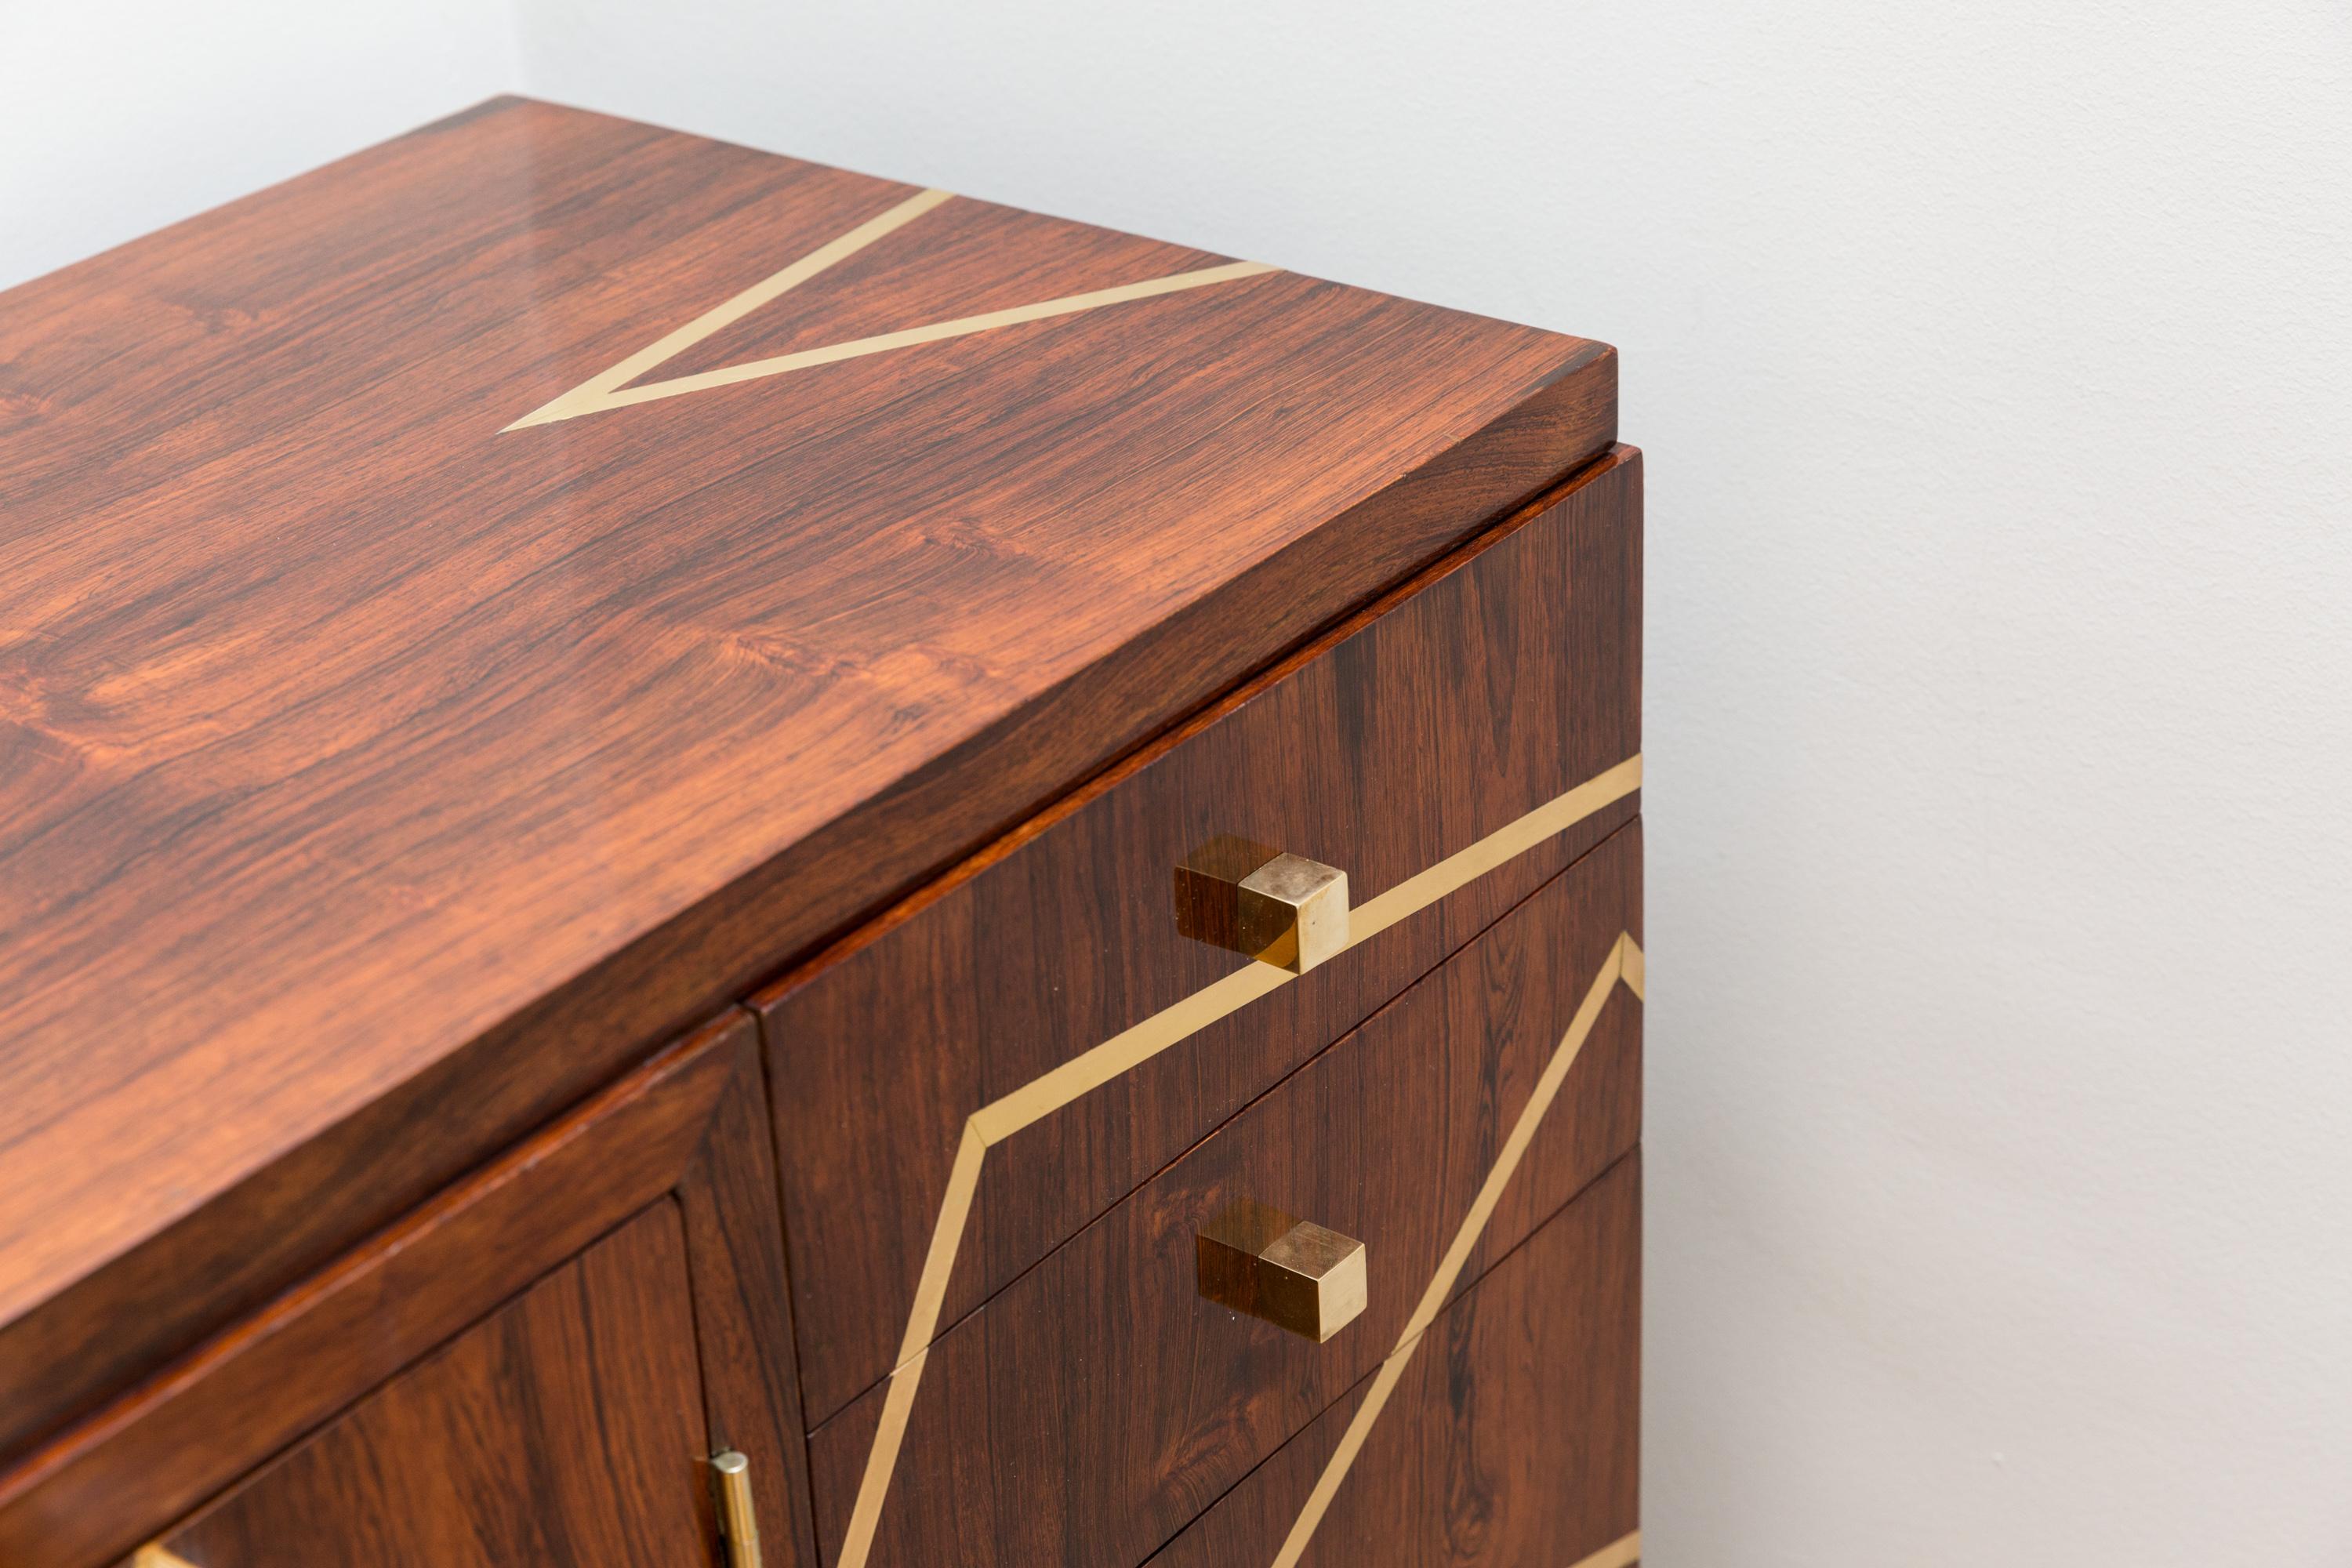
709,862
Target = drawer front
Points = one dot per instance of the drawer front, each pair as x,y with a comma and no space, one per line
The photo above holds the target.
1097,1405
993,1066
566,1428
1509,1438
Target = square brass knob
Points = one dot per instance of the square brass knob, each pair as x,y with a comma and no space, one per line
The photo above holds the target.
1293,1273
1283,909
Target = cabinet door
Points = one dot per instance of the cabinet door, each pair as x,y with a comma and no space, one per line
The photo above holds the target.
535,1367
565,1428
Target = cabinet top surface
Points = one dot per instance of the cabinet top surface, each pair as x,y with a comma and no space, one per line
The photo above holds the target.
429,577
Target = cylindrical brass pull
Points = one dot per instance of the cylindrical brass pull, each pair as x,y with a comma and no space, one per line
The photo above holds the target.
1293,1273
1283,909
737,1518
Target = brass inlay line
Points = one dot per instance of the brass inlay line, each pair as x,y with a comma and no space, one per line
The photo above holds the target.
153,1555
1130,1047
1619,1553
1457,870
590,395
947,1234
1449,1270
611,388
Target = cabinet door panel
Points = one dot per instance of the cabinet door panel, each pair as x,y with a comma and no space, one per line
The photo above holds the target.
565,1428
684,1138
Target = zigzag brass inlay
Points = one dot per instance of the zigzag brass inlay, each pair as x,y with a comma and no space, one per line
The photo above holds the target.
1041,1096
612,388
1625,963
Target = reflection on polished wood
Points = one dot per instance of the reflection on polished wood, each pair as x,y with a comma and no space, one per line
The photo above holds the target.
381,784
579,705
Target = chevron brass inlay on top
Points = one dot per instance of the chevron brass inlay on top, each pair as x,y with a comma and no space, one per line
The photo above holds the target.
1002,1118
611,388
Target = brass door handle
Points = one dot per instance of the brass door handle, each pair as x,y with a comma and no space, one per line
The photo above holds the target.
737,1518
1293,1273
1283,909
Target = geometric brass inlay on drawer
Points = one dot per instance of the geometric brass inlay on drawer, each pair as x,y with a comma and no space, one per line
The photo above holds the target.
1002,1118
1624,964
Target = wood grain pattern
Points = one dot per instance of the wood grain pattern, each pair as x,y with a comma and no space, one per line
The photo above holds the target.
379,784
565,1429
743,1308
1499,680
1513,1441
688,1123
1090,1409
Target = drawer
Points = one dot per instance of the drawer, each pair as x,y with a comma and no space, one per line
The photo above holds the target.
980,1073
1508,1436
1090,1409
534,1367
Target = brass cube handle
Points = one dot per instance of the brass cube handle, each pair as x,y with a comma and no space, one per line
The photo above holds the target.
1293,1273
1247,897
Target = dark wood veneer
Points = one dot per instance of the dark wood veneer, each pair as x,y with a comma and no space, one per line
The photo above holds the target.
1097,1403
563,1430
1505,677
378,782
689,1124
1513,1440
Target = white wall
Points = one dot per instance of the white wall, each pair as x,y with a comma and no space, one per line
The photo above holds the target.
1995,367
120,116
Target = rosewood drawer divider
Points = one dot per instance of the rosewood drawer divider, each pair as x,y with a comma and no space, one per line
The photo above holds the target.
1004,1117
